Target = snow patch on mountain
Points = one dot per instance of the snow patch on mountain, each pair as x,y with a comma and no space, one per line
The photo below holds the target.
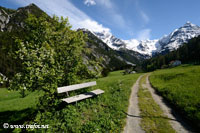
149,47
110,40
145,47
179,36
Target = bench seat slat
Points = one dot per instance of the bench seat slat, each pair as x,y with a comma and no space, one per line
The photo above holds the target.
83,96
75,87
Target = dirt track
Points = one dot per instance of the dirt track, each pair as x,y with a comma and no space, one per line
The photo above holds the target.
133,119
133,115
176,121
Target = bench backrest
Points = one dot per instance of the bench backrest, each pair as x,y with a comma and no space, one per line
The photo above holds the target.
75,87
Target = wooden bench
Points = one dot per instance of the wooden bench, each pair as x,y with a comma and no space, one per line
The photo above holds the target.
76,98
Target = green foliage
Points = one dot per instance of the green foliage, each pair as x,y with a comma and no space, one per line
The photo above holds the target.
9,11
15,28
181,87
103,113
50,56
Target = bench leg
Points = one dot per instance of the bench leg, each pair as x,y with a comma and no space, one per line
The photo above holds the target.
67,94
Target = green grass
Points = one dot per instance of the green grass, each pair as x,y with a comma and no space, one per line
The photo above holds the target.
12,101
153,119
103,113
14,109
180,86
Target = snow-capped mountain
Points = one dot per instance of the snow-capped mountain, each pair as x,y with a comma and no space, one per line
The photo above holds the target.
150,47
145,47
178,37
110,40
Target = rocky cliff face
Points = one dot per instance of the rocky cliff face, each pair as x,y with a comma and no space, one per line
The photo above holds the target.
14,19
4,18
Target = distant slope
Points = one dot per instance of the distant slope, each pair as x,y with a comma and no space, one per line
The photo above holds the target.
12,23
186,53
150,48
118,58
128,45
111,60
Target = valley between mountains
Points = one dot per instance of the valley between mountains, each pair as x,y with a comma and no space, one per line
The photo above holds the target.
149,85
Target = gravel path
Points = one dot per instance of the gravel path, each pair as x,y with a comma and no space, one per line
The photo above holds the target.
133,119
133,115
176,122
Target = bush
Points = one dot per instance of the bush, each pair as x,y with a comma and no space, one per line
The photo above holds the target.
50,56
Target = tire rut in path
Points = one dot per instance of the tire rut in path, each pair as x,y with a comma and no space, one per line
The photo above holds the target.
176,121
133,119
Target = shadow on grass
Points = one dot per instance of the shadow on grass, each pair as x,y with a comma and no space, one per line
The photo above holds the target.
15,118
163,117
192,130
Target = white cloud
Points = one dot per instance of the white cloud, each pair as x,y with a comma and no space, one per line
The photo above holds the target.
119,20
144,16
144,34
89,2
65,8
93,25
113,14
105,3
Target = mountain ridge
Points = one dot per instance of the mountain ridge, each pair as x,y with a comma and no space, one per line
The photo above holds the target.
12,23
150,48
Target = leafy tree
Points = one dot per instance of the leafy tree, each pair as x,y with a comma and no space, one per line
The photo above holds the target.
50,56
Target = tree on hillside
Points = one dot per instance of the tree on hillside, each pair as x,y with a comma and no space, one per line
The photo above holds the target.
51,56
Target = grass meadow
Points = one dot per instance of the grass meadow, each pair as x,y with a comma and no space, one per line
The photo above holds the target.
99,114
181,87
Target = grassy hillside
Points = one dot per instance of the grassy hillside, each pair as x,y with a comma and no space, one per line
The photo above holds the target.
181,86
99,114
14,109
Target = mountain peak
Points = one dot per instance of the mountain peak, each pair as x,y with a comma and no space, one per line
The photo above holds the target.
32,5
31,8
189,24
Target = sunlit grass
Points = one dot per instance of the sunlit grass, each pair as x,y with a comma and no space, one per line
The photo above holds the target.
181,87
98,114
153,119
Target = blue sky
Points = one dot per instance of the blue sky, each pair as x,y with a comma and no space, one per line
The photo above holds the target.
126,19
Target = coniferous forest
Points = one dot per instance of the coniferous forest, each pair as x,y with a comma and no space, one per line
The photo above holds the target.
188,53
